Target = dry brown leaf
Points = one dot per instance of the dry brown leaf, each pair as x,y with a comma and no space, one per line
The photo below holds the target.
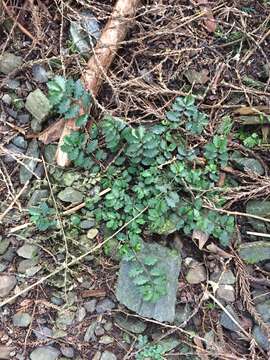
52,133
5,352
252,110
201,237
200,350
209,20
217,250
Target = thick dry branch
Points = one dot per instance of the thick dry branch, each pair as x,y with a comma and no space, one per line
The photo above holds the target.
98,65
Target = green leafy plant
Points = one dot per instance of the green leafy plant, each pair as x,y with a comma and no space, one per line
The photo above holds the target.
147,350
42,216
149,277
69,97
252,141
153,170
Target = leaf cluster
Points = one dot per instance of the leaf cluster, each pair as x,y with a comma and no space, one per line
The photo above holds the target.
70,99
149,351
42,216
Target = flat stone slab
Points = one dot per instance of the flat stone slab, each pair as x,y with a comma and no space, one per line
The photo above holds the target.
254,252
129,295
38,105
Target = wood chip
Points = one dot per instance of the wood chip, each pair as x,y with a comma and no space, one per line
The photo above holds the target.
93,293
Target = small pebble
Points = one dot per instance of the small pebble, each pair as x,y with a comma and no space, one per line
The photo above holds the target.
90,305
67,351
104,305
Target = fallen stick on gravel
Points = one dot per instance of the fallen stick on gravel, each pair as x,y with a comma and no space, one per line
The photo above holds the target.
98,65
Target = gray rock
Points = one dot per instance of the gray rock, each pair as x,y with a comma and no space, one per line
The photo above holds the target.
182,313
264,310
43,333
249,164
45,353
87,224
107,355
7,283
30,164
38,105
4,244
22,319
80,314
129,294
196,274
25,266
70,195
85,32
259,208
13,152
92,233
131,324
108,326
23,118
226,293
69,178
39,73
37,197
99,330
20,142
254,252
6,98
106,340
13,84
27,251
36,126
9,62
39,171
90,332
90,306
49,153
65,319
223,278
104,306
227,322
12,113
261,338
67,351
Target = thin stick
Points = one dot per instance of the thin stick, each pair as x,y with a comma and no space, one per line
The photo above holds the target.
14,201
258,234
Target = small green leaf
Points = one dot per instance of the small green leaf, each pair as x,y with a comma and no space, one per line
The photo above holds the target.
82,120
72,112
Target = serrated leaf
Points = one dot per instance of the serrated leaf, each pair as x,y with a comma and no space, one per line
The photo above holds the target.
135,271
72,112
63,106
82,120
78,89
141,280
172,116
150,260
92,146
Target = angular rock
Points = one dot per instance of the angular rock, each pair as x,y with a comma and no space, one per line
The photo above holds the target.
43,333
104,306
4,244
67,351
129,295
25,266
36,126
90,332
49,153
264,310
259,208
87,224
90,306
182,313
39,73
107,355
254,252
7,283
20,142
227,322
196,274
92,233
27,251
85,32
131,324
37,197
13,152
250,164
9,62
45,353
261,338
38,105
26,172
22,319
226,293
6,99
223,277
106,340
13,84
70,195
